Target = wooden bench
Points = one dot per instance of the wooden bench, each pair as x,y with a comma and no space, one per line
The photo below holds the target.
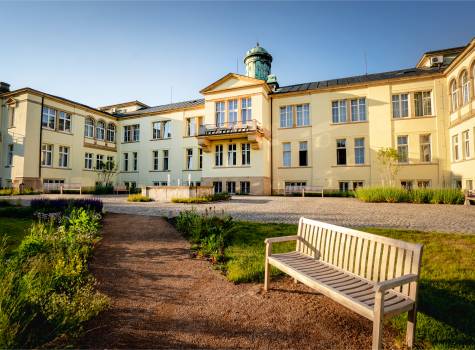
469,196
70,187
375,276
122,189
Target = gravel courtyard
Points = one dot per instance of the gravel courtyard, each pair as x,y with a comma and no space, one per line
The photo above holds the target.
340,211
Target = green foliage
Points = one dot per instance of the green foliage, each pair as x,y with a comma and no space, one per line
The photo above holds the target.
16,192
13,230
223,196
138,198
45,287
389,158
103,188
418,195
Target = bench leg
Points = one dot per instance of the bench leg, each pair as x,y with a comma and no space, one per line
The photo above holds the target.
378,322
411,327
267,276
296,281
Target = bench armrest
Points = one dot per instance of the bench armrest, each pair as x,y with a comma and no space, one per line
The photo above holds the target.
395,282
281,239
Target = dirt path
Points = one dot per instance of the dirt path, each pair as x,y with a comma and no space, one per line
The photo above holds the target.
160,298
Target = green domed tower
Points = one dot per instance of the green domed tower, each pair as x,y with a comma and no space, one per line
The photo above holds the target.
258,63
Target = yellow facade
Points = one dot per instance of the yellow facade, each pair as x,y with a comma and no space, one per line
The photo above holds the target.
248,135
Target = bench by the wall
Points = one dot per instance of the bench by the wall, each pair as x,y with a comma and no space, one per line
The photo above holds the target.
121,189
70,187
469,196
372,275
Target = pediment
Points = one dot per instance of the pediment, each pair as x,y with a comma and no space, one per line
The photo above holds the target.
11,102
233,81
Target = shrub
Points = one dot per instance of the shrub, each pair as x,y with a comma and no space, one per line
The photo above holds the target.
104,188
223,196
63,205
418,195
138,198
16,192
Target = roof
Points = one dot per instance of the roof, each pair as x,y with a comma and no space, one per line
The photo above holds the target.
358,79
164,108
449,50
125,104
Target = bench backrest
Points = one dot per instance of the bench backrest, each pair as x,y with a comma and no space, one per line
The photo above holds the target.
369,256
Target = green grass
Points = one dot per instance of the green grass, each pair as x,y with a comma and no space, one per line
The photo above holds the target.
446,317
416,195
14,229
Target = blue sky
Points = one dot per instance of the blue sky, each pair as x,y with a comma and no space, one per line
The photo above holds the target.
101,53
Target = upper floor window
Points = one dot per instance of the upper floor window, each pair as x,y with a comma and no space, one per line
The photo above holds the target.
110,132
64,123
11,116
132,133
218,160
465,88
466,144
190,127
88,161
155,160
232,158
425,148
422,103
402,149
157,130
246,109
220,113
339,111
303,115
135,158
167,129
89,128
303,153
454,95
286,117
200,159
165,160
10,155
63,157
232,111
400,106
286,154
358,109
46,155
341,152
455,147
48,118
359,150
100,165
126,162
246,154
100,130
189,158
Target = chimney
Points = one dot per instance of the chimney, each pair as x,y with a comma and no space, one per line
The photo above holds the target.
4,87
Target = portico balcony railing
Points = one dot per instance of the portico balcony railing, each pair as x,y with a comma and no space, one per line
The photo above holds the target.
229,128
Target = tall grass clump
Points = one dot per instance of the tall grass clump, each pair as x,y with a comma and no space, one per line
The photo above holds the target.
46,290
402,195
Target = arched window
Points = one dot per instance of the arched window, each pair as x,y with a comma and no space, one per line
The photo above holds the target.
111,132
465,88
100,129
89,128
453,95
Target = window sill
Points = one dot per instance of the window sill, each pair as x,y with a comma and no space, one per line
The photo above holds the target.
159,171
129,172
418,163
160,139
295,167
350,122
414,117
232,167
191,169
127,142
351,166
56,167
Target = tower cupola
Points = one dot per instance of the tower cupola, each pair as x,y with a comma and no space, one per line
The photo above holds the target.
258,63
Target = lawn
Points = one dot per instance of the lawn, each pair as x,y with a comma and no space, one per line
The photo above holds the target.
446,318
13,230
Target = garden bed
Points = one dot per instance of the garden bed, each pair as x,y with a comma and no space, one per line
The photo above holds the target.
417,195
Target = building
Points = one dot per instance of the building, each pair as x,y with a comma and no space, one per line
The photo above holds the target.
247,134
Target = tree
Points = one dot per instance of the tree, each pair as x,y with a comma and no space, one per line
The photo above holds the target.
106,172
389,158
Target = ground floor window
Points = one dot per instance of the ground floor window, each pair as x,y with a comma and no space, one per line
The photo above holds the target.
218,186
197,183
407,184
457,183
245,187
469,185
160,183
130,185
231,187
357,184
344,186
423,183
52,184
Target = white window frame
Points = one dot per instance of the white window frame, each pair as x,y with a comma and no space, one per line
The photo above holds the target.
111,131
88,160
465,88
400,105
467,148
303,147
218,155
46,155
10,152
339,112
232,112
286,116
232,154
220,113
246,109
424,145
135,161
100,161
454,95
165,160
189,158
64,122
48,118
89,126
403,148
156,130
287,154
359,150
425,100
64,152
358,109
100,130
125,163
455,147
341,144
303,114
155,161
245,154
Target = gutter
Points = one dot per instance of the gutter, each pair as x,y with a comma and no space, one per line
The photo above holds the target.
41,136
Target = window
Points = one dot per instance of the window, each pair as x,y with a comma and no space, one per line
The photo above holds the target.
132,133
294,186
232,159
110,163
339,111
465,88
358,109
245,187
130,185
469,185
126,162
344,186
341,152
423,183
135,156
89,128
165,159
190,127
357,184
156,130
63,157
286,117
422,103
303,153
231,187
232,111
10,155
425,148
218,159
303,115
287,155
466,143
110,132
220,113
455,147
246,109
46,155
11,116
359,150
218,186
52,184
99,162
201,159
400,106
100,129
454,95
64,123
48,118
246,154
402,149
189,158
407,184
167,129
155,160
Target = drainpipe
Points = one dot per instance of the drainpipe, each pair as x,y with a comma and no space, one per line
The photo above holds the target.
271,146
41,136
